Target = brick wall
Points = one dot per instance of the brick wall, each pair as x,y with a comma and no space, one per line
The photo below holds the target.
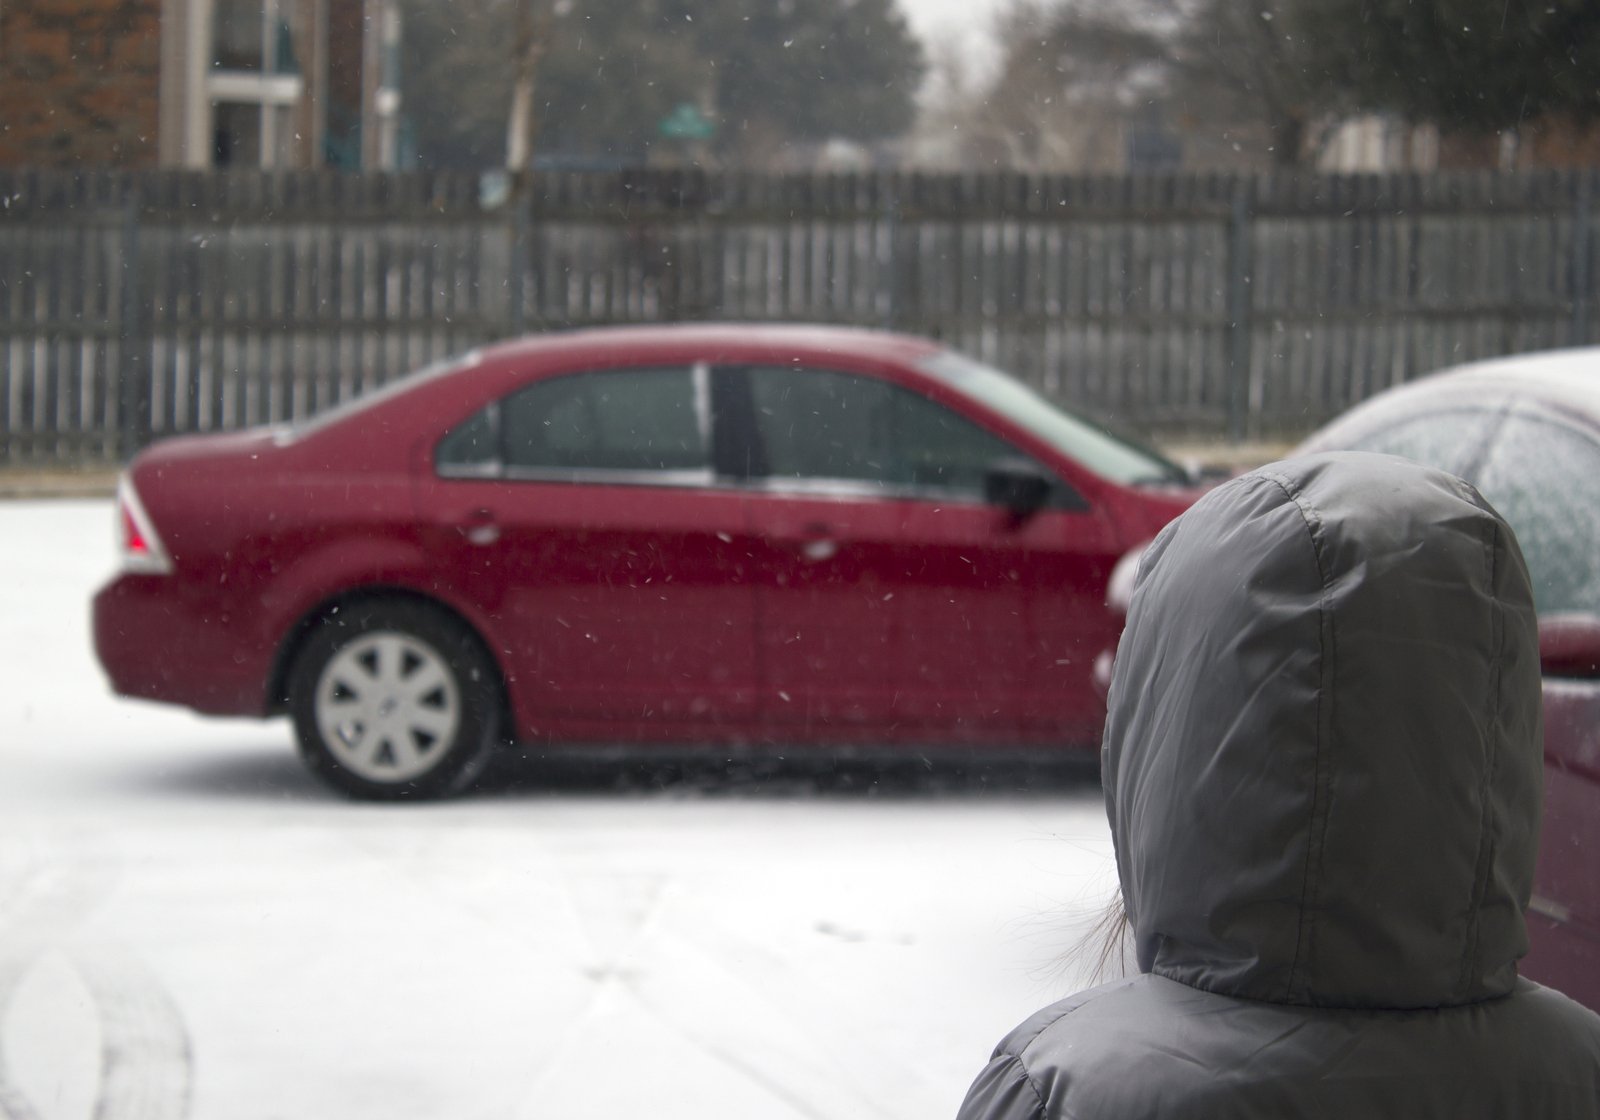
79,82
1539,144
1558,142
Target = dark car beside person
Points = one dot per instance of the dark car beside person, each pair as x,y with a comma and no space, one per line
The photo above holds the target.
1525,430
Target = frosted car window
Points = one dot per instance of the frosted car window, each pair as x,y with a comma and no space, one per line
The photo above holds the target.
1446,440
933,446
1109,455
817,424
630,420
1541,476
469,444
821,425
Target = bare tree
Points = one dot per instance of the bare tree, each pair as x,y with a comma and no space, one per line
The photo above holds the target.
534,20
1232,77
1250,60
1069,83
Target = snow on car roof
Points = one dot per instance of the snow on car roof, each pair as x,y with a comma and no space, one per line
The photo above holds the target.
809,338
1568,378
1572,373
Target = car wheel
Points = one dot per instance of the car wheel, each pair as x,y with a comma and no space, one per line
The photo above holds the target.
394,700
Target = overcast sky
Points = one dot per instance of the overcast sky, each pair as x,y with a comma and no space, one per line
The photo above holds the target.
929,17
964,22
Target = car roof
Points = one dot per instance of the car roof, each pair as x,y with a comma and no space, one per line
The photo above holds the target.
1568,380
718,339
674,344
1570,375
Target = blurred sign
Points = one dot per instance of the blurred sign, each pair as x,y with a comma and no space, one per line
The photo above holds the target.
686,122
494,189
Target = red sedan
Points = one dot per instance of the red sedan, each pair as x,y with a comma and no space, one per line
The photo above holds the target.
718,534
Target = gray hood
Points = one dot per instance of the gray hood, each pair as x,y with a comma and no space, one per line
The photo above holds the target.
1322,756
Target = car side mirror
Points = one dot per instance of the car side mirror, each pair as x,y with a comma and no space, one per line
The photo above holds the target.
1017,486
1213,474
1569,645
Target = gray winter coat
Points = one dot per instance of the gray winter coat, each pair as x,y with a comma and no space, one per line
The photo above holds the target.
1322,767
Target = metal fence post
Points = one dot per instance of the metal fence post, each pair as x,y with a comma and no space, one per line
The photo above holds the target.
1580,258
889,220
517,257
132,372
1240,217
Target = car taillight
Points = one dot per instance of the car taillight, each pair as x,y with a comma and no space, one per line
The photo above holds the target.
138,546
1119,590
1119,596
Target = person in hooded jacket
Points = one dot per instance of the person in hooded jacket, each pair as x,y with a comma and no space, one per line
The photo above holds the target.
1322,768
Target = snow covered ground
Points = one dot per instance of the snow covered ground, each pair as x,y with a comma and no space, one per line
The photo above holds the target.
190,926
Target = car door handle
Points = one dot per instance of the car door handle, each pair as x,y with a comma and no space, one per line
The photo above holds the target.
818,543
481,528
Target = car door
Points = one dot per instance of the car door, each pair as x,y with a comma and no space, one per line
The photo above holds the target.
581,512
890,595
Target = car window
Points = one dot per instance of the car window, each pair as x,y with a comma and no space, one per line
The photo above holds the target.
389,391
472,446
1540,475
650,420
629,420
821,424
1108,455
1448,440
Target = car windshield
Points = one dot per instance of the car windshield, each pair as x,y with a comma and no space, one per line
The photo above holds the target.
1108,455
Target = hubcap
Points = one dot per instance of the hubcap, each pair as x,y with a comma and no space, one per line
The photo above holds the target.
388,707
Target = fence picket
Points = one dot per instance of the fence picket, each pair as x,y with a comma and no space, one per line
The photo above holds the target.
134,305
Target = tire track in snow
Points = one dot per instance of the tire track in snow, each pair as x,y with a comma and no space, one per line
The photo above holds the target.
14,1106
606,968
144,1061
633,931
620,940
40,902
811,1091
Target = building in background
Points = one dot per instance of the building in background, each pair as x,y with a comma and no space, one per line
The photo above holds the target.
1376,143
199,83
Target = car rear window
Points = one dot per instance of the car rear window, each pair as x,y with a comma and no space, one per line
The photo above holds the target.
630,420
360,403
1539,474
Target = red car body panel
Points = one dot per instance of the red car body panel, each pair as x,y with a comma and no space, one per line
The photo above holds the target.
720,612
1564,918
931,617
624,603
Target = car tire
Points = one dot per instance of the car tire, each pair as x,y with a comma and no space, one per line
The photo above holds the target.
395,700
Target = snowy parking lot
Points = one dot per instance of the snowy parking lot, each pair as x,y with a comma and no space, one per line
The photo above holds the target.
191,926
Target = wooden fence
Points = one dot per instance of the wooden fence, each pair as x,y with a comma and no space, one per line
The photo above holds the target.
134,306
